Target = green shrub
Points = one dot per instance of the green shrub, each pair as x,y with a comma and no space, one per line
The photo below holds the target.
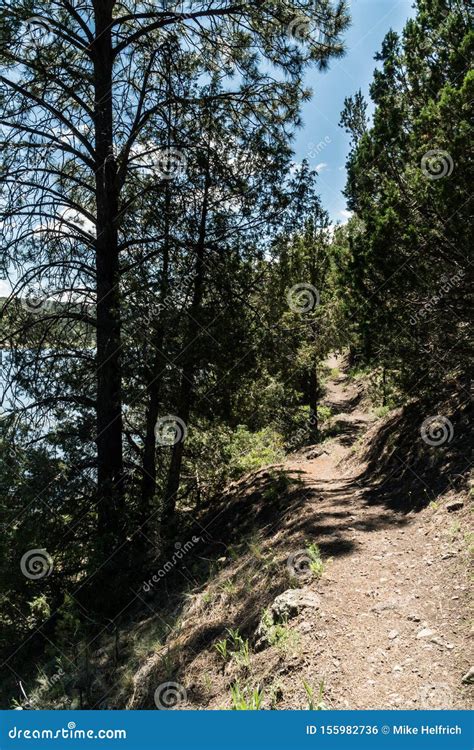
249,451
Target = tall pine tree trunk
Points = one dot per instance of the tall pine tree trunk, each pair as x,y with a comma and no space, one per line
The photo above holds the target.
148,487
189,370
110,474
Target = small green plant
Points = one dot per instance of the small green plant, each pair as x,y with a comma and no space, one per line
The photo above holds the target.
316,563
318,704
207,683
381,411
234,647
229,588
278,634
246,699
222,650
169,664
249,451
242,654
283,637
235,637
255,549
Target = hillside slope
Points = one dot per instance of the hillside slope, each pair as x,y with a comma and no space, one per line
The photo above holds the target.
339,578
384,625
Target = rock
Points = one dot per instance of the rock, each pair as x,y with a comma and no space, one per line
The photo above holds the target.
468,678
383,607
425,633
291,602
284,607
414,618
454,505
440,642
393,634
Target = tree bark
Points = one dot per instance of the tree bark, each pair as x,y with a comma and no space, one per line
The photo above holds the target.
189,370
313,398
153,387
110,474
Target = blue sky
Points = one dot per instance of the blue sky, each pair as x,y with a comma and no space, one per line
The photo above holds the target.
371,19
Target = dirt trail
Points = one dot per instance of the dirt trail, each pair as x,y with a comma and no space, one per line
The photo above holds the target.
387,627
391,630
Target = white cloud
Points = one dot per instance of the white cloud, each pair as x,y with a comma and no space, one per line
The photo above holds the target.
5,288
346,214
321,167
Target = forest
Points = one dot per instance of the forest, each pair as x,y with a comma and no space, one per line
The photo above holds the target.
187,336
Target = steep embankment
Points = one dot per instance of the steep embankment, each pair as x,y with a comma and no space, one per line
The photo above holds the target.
382,621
